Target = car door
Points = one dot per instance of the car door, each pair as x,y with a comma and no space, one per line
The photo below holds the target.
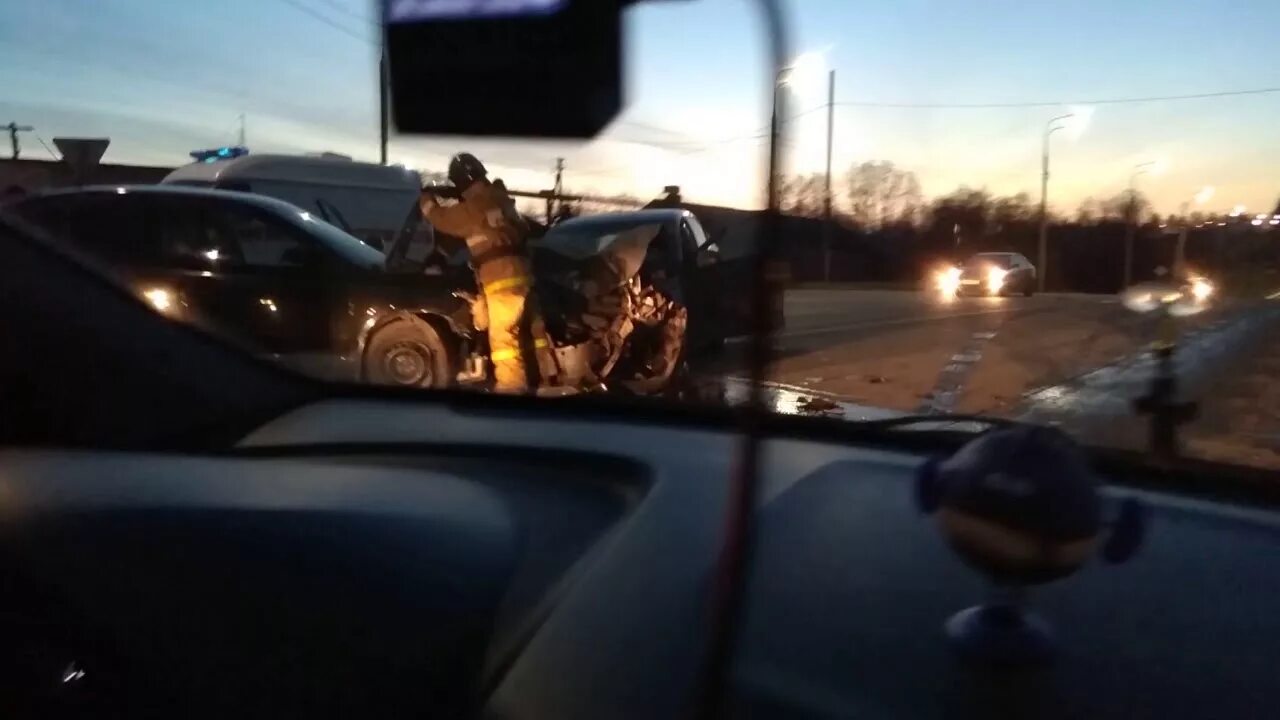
1020,269
1028,267
724,285
204,267
287,280
700,286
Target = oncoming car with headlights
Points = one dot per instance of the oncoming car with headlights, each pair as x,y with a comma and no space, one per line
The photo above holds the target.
1001,273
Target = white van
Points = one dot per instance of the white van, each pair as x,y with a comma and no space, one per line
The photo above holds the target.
372,202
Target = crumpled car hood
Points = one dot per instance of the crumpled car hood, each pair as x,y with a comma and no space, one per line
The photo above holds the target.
620,254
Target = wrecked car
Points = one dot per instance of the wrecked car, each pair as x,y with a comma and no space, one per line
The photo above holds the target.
627,299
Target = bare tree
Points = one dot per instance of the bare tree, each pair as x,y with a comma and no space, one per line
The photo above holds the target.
1129,206
803,195
1012,211
1088,212
880,193
964,214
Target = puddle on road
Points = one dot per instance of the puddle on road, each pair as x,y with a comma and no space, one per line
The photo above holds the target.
1108,391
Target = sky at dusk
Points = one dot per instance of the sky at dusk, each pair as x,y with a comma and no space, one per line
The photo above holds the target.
163,77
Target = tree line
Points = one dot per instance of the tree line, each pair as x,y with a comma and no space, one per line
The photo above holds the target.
885,230
877,194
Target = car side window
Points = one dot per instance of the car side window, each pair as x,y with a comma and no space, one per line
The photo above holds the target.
699,233
663,255
186,239
688,239
110,226
265,242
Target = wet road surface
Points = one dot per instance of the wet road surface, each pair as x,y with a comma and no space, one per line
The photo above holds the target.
1038,357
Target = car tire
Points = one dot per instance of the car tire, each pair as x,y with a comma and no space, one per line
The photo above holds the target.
408,352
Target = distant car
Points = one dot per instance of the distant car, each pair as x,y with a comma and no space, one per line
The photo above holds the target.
270,275
1001,273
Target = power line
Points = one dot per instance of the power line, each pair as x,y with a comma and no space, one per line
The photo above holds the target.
52,154
1057,103
295,4
695,146
343,9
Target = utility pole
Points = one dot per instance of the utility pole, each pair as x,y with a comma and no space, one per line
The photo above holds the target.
14,128
1131,222
1180,250
827,229
383,126
1042,264
241,138
558,191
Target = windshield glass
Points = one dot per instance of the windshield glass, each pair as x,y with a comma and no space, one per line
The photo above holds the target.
988,260
975,218
349,248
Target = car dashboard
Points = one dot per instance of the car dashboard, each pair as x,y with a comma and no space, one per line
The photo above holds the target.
393,558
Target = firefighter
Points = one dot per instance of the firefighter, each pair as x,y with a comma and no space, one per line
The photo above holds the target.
495,234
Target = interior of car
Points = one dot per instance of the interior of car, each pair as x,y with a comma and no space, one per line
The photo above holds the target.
190,530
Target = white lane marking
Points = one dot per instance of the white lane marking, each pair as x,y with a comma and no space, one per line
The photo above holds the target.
1274,296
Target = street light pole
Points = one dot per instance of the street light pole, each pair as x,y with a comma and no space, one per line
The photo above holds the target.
1042,269
1131,222
826,224
383,101
1180,250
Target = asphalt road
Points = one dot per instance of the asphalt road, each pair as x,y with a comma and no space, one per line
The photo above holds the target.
916,351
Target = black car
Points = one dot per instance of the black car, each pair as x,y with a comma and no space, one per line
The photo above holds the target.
997,273
265,273
714,287
712,284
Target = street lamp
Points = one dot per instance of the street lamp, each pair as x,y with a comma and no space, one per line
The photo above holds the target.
801,75
1131,221
1201,197
1043,266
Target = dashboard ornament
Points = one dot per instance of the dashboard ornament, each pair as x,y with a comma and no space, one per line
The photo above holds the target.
1021,506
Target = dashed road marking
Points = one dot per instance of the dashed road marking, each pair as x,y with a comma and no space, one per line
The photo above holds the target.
950,383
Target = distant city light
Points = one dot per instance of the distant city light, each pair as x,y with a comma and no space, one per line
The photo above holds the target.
1237,211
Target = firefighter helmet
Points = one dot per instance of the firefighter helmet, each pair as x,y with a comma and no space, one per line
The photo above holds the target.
465,169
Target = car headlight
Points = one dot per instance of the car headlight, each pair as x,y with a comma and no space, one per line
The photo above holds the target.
163,300
947,280
1201,289
995,278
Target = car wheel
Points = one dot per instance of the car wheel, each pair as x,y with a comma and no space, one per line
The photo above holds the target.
408,353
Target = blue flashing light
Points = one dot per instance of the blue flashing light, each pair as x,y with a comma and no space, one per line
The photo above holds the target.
222,153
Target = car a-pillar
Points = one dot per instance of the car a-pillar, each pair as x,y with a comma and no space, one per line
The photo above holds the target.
408,350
